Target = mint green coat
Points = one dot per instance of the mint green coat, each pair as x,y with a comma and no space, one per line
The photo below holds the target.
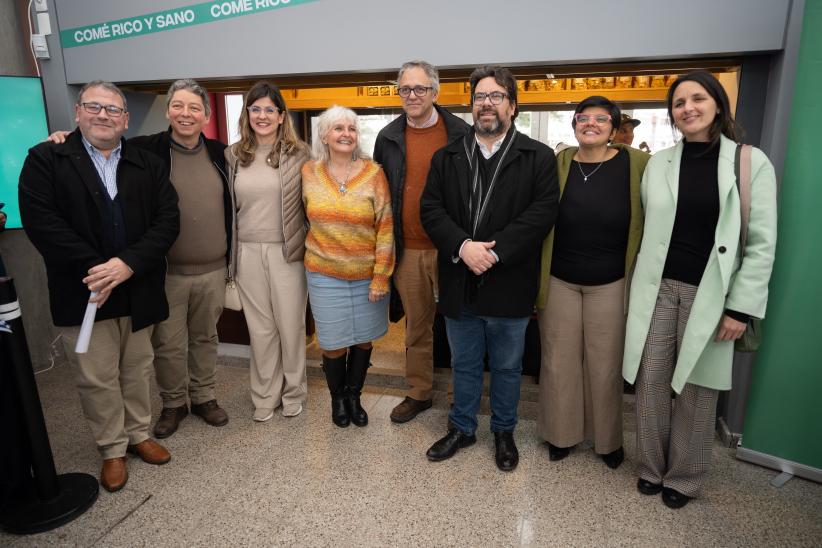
728,282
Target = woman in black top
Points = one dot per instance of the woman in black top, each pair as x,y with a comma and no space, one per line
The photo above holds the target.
582,294
693,288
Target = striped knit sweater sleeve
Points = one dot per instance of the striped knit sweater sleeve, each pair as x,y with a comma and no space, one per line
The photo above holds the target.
351,234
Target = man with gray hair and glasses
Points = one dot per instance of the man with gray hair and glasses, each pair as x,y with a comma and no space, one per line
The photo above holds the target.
185,345
103,214
404,149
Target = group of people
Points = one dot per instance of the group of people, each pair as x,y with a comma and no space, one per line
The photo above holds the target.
632,263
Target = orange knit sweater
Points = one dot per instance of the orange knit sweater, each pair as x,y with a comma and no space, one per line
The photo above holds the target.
351,236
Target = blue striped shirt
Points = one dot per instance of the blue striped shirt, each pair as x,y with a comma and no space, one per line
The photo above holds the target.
106,167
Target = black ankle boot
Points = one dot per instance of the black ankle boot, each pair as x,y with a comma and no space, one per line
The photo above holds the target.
358,364
335,377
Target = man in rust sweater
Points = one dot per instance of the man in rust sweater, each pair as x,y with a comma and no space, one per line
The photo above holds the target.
404,149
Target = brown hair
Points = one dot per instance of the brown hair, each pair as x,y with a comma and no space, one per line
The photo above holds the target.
503,77
723,123
288,142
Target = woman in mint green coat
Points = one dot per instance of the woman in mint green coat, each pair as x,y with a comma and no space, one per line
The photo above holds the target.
693,289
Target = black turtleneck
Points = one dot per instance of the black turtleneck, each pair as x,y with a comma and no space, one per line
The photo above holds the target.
697,212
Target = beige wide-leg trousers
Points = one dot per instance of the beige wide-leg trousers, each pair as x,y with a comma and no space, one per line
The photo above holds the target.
582,333
674,438
112,379
274,295
416,281
185,345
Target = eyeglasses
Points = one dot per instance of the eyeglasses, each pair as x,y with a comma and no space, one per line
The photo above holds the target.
271,111
95,108
599,119
495,96
419,91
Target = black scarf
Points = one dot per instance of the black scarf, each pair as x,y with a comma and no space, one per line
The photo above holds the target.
481,186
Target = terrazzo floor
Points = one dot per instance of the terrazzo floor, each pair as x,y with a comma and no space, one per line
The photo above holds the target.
303,482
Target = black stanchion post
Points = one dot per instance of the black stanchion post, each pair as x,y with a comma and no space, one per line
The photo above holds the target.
49,500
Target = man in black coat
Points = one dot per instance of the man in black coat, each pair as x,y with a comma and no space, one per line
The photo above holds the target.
489,202
103,216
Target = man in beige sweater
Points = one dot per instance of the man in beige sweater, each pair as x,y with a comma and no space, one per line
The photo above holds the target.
185,345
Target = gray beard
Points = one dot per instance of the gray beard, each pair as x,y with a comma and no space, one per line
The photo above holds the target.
496,128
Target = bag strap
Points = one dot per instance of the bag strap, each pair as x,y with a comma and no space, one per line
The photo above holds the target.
742,170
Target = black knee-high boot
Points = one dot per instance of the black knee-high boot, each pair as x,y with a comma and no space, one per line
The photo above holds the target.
358,364
335,377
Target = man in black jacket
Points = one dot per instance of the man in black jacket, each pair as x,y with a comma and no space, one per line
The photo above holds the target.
404,149
103,214
185,345
490,200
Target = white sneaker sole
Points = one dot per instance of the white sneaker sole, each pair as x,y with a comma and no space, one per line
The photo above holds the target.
265,418
293,413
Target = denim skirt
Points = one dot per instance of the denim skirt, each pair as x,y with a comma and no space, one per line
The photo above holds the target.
342,312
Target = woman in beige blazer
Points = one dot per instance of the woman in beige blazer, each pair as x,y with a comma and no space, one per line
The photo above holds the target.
693,289
268,247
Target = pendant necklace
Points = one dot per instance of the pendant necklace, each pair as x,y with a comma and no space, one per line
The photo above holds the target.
584,176
344,182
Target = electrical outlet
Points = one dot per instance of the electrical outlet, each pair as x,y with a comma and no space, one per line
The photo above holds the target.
40,47
43,24
41,5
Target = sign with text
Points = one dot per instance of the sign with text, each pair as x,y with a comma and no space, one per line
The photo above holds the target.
196,14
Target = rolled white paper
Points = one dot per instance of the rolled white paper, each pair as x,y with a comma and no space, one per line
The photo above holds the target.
85,329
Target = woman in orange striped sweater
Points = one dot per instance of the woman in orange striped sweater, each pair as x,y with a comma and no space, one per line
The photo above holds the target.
349,257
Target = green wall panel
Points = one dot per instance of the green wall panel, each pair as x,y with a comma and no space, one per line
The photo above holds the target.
784,417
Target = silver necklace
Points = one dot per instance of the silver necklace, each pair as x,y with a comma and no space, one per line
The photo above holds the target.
584,176
344,182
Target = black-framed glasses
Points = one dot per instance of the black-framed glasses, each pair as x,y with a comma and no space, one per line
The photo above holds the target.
419,91
271,111
112,110
496,97
599,119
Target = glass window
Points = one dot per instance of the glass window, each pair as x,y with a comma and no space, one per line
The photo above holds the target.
233,108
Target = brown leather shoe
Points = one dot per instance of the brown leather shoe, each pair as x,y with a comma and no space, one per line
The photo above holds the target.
114,475
408,409
170,419
150,451
210,412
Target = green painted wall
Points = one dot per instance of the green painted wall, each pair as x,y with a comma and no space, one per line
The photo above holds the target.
784,417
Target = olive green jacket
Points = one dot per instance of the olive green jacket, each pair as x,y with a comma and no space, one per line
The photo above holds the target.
638,159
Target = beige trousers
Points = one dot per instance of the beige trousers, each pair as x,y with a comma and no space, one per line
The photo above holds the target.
185,345
416,281
112,379
582,332
274,293
674,438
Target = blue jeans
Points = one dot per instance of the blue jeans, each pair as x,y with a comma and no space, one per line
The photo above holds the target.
469,336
